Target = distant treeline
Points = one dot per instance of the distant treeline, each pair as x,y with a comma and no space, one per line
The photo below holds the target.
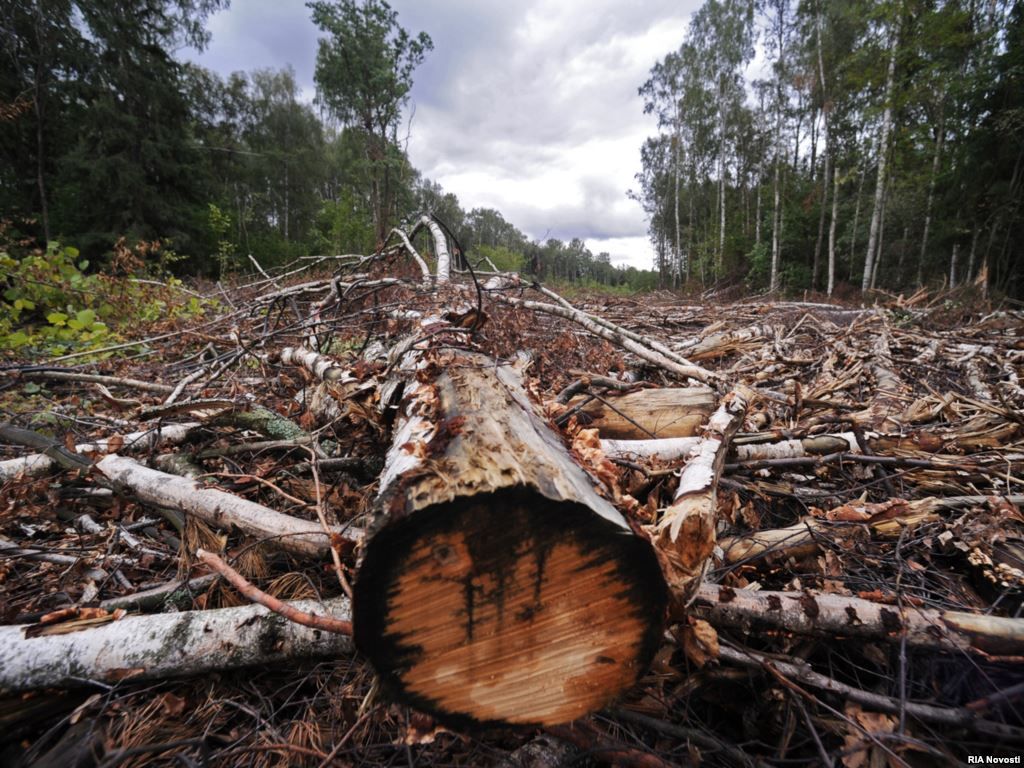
880,143
105,133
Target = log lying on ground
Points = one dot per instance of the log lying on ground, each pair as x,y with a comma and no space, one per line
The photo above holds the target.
651,413
160,489
674,448
37,464
831,615
157,646
684,537
499,587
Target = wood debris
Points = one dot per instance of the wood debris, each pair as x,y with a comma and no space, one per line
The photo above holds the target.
833,493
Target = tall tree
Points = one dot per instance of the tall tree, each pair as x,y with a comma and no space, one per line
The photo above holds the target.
723,32
363,75
891,33
39,41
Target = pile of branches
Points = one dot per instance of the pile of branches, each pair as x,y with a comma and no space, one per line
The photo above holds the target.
833,494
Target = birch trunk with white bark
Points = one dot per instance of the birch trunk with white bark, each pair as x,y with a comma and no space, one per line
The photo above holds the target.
832,232
831,615
883,155
37,464
158,646
291,534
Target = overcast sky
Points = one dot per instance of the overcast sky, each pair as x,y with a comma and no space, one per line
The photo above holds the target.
528,106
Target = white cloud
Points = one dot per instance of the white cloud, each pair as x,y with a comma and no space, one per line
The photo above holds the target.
624,251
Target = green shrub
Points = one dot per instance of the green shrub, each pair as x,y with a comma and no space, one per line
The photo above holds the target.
50,304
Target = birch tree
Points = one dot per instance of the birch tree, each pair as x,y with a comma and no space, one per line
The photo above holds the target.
892,38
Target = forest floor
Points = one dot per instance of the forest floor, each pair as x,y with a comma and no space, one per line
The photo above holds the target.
918,514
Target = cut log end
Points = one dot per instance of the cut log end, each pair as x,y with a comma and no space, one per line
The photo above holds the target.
508,608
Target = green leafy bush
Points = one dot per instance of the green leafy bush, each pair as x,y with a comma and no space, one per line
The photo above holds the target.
50,304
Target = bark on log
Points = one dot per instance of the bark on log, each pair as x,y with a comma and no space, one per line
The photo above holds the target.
499,587
657,413
158,646
684,537
832,615
160,489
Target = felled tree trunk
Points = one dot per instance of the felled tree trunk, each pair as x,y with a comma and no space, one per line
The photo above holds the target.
826,614
292,534
163,645
498,587
673,448
37,464
650,413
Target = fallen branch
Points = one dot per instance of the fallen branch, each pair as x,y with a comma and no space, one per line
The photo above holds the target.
223,509
960,717
838,615
95,378
256,595
642,351
684,537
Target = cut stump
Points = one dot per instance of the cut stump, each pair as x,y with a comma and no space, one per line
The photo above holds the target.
499,587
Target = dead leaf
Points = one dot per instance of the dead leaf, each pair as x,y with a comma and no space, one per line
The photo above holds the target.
700,642
172,705
115,443
859,750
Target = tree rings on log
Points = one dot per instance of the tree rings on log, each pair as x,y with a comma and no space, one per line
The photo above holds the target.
508,608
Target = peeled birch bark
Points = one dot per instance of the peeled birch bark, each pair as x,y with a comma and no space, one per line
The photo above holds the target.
37,464
498,586
157,646
661,413
684,537
291,534
831,615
